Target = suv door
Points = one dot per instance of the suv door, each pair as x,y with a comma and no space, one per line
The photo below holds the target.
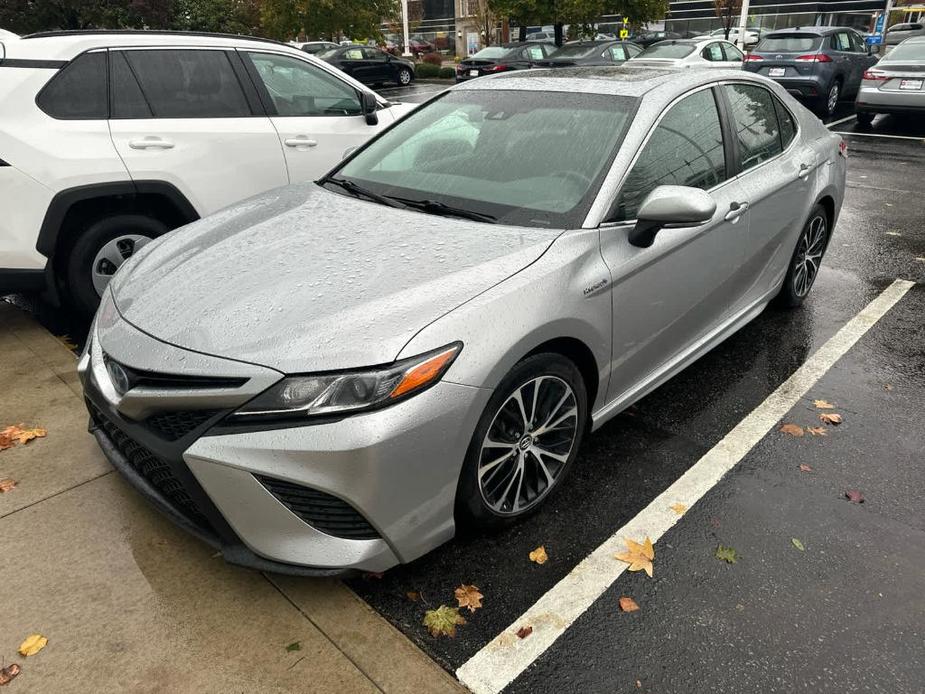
318,115
188,116
847,61
689,280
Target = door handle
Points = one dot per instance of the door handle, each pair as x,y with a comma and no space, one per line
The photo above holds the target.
300,141
804,171
150,143
736,210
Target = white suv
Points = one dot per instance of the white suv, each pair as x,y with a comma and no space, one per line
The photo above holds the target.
109,139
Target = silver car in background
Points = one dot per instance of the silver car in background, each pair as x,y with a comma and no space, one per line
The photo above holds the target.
895,85
690,53
337,375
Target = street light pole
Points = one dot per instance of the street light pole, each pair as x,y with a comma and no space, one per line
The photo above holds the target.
404,21
743,21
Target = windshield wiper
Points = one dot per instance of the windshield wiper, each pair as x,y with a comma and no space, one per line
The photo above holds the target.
444,210
360,192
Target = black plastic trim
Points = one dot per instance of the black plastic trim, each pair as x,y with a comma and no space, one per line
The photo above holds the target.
3,163
19,280
33,63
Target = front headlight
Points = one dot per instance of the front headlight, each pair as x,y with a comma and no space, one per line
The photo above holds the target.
298,397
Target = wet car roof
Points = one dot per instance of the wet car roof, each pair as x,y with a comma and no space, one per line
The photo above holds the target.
629,81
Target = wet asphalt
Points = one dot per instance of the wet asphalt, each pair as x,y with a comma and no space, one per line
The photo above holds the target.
848,613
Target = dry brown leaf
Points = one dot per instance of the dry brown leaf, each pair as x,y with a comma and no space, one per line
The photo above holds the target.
678,508
539,555
831,418
854,496
817,431
638,556
8,673
413,595
823,405
628,604
6,441
18,433
32,645
792,429
469,596
443,621
805,468
887,386
524,632
6,485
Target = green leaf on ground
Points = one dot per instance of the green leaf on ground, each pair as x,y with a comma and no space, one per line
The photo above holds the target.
294,646
443,621
796,543
726,554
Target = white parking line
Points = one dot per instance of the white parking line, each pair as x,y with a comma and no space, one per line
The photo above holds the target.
888,137
838,122
506,656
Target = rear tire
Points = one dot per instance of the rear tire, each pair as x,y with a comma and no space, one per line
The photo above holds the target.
512,466
404,77
97,252
806,260
828,102
865,120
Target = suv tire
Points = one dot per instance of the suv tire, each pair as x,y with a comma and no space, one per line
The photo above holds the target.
127,230
828,102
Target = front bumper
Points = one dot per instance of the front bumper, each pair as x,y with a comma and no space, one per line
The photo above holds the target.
395,468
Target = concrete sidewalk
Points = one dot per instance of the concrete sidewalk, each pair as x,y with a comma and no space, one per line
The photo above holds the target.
128,602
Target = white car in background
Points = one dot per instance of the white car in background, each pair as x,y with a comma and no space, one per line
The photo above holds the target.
110,139
690,53
751,37
5,35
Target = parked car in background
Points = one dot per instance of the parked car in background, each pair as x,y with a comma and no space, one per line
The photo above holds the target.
315,47
542,36
111,139
647,38
6,35
591,53
751,36
511,56
896,84
898,33
819,64
690,53
384,398
418,45
370,65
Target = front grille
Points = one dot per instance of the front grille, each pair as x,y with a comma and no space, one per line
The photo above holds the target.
154,469
175,425
321,511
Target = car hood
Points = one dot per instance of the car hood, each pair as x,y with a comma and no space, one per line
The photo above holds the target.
302,279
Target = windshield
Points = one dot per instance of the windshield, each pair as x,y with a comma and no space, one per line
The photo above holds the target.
909,50
524,158
576,51
667,49
789,43
492,52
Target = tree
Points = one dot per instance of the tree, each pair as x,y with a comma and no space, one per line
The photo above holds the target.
727,11
225,16
485,18
27,16
285,19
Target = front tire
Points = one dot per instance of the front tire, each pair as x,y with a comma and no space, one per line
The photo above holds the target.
806,259
404,77
100,250
524,444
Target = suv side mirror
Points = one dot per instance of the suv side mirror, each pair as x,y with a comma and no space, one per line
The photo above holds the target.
370,104
667,206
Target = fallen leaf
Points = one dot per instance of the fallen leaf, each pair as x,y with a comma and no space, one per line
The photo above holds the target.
524,632
678,508
887,386
6,485
726,554
638,684
817,431
832,418
413,595
539,555
714,521
8,673
469,596
823,405
628,604
23,436
67,342
6,441
796,543
854,496
32,645
443,621
294,646
805,468
792,429
638,556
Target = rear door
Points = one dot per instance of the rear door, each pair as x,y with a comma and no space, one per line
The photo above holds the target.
378,66
190,117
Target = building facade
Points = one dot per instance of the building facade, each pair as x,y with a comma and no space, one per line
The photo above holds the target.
700,15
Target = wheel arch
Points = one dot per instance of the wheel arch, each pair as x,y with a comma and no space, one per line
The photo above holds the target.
580,355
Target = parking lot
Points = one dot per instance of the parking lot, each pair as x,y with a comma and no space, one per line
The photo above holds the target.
826,594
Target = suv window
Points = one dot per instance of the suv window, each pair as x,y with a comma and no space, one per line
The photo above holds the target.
78,92
127,99
686,149
188,83
841,42
298,88
755,123
857,43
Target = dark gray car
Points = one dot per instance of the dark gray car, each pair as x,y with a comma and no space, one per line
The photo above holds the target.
819,64
590,53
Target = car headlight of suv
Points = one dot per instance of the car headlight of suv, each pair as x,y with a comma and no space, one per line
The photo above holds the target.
299,397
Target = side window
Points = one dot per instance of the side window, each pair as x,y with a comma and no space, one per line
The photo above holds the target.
713,53
788,128
841,42
373,54
857,43
618,54
755,122
127,99
732,53
353,54
686,149
298,88
188,83
78,92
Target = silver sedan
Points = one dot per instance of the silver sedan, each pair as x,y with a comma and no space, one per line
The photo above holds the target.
691,53
896,84
337,375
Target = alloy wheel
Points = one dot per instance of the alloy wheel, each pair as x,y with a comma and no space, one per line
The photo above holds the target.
528,445
404,77
809,256
111,256
833,97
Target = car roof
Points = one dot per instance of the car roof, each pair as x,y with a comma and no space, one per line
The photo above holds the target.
818,31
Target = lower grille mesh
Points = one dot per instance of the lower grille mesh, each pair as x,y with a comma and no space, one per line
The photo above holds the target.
176,425
322,511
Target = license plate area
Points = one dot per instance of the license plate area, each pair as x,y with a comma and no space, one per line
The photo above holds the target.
777,72
473,73
910,85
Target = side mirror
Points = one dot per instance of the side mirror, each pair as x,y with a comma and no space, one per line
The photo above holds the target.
370,104
667,206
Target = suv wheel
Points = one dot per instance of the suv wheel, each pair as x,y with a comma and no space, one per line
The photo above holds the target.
100,250
829,102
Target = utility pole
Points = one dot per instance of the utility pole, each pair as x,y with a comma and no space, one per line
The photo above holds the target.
404,21
743,21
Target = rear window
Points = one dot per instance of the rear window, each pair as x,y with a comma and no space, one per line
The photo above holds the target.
492,52
78,92
908,50
668,50
789,43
